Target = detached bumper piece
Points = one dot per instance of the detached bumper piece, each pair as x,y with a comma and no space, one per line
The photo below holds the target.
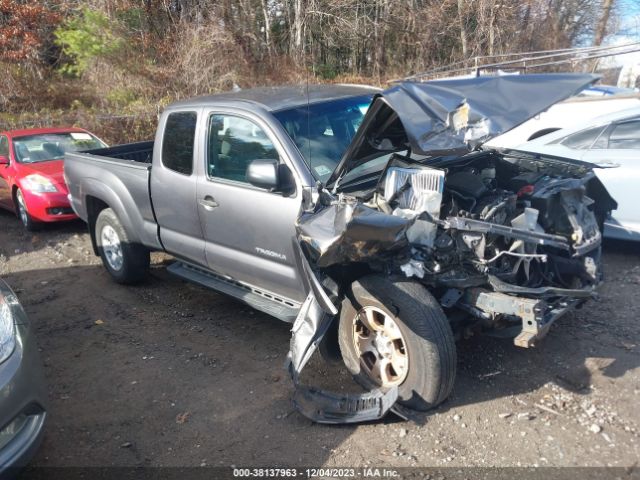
327,407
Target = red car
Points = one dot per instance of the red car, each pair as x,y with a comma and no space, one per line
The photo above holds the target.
31,172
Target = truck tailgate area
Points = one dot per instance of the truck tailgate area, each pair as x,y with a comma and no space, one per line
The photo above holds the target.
119,178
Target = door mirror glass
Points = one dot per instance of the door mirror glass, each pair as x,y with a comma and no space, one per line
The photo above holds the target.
4,160
263,173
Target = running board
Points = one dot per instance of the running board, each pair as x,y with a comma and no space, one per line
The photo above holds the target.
281,308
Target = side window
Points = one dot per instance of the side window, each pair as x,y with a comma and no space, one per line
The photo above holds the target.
233,143
625,136
582,140
178,142
4,146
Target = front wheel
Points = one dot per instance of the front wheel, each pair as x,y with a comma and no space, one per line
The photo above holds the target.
394,333
23,213
126,262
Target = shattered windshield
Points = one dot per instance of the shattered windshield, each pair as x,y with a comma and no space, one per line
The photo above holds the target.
323,131
52,146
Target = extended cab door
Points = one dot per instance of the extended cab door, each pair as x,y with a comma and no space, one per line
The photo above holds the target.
248,230
173,185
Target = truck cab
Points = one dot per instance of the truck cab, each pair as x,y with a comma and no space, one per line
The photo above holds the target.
227,177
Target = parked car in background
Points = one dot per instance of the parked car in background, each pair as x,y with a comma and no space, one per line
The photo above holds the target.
31,172
612,138
23,396
565,114
605,91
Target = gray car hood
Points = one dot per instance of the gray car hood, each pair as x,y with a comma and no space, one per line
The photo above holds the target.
453,116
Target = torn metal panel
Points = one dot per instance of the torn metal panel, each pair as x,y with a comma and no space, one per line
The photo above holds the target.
453,116
310,281
348,231
308,329
468,112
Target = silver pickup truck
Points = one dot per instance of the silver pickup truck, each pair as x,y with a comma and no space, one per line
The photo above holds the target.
374,221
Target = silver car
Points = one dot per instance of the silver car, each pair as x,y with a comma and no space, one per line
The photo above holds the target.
23,399
611,140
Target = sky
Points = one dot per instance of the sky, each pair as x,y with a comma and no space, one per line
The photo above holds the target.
628,31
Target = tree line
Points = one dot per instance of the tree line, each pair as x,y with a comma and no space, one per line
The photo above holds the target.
128,51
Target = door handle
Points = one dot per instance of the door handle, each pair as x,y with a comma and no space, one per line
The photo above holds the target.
208,202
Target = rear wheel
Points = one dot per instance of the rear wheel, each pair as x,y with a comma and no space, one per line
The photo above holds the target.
394,333
126,262
23,213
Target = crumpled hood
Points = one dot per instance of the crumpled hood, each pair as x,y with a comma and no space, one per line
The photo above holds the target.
453,116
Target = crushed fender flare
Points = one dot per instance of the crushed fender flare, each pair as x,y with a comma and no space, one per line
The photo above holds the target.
323,406
311,324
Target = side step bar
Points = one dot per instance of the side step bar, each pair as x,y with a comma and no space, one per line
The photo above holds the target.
283,309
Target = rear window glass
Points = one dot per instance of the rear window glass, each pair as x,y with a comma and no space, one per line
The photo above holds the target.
178,142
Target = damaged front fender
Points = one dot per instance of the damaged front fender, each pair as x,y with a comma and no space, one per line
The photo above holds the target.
313,320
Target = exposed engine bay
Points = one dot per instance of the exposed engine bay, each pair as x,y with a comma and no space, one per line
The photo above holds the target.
506,242
473,229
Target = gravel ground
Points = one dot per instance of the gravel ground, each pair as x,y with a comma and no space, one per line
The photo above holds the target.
171,374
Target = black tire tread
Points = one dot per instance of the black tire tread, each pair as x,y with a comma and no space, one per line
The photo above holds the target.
136,256
420,312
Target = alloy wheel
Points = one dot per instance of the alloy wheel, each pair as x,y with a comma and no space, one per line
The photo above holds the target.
381,347
112,248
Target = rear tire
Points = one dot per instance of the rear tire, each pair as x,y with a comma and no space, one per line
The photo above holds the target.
23,213
126,262
426,339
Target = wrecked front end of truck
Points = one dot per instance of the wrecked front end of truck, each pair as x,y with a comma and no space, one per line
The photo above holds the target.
506,242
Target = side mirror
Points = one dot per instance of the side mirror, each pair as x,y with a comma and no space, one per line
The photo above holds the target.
4,160
263,174
271,175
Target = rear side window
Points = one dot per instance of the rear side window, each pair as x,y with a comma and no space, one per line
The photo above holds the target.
625,136
582,140
4,146
178,142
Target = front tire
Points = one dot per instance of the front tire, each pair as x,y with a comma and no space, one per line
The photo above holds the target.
392,332
23,213
126,262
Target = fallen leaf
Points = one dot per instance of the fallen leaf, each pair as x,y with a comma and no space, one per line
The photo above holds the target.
182,417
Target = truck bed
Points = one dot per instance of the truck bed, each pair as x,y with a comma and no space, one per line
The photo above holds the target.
136,152
119,177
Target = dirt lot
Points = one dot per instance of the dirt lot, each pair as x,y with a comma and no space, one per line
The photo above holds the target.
171,374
